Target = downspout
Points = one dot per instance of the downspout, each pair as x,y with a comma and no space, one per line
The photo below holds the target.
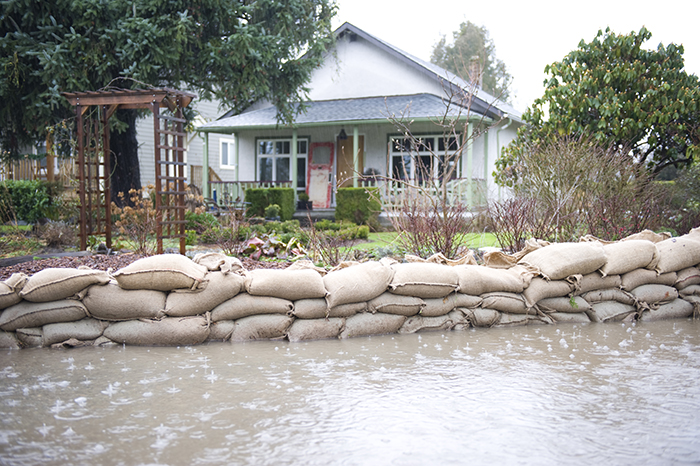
498,148
294,162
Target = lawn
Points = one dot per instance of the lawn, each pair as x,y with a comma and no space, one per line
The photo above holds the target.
389,239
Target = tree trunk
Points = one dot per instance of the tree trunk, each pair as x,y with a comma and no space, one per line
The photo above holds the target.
124,157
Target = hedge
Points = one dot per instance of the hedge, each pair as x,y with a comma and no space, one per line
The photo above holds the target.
26,200
357,205
259,198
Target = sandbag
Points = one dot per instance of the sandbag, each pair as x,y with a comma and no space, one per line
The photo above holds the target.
435,307
476,280
690,290
261,327
515,320
221,287
648,235
560,260
570,317
423,280
677,254
285,284
513,303
8,340
112,302
459,319
686,277
655,294
164,272
415,324
315,329
10,288
216,261
30,337
482,317
357,283
371,324
612,294
84,329
27,314
611,311
632,280
396,304
54,284
676,309
594,281
571,305
540,289
317,308
221,330
625,256
244,305
170,331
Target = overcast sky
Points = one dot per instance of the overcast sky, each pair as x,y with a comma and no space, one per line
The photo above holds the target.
528,35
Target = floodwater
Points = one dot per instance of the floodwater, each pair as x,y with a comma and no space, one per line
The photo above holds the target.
566,394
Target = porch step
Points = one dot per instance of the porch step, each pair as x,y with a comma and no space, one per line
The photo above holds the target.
316,215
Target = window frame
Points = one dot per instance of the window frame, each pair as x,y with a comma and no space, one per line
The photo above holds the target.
409,156
231,144
301,156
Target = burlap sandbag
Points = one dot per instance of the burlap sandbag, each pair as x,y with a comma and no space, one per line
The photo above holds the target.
648,235
424,280
357,283
517,320
611,294
476,280
482,317
221,330
558,261
30,337
632,280
459,319
655,294
435,307
317,308
244,305
164,272
540,289
221,287
513,303
625,256
285,284
84,329
371,324
415,324
593,281
261,327
690,290
315,329
216,261
10,288
396,304
611,311
112,302
570,317
676,309
54,284
677,254
686,277
170,331
8,340
572,305
27,315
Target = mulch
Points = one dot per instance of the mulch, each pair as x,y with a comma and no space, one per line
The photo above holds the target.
110,262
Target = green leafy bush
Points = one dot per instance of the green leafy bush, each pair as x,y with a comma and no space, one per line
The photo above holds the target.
260,198
199,222
358,205
26,200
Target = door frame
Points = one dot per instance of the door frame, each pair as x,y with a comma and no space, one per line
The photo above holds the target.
310,164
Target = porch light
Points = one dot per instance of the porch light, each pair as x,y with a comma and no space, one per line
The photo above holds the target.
342,136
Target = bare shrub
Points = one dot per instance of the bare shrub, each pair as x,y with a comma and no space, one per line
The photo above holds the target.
58,234
137,220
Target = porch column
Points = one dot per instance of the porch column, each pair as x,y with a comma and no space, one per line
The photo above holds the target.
205,167
470,161
293,164
355,155
486,166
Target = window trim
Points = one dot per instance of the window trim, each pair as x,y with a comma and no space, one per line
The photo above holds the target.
232,144
300,156
414,155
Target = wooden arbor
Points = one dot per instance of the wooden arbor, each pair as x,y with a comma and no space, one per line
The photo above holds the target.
94,166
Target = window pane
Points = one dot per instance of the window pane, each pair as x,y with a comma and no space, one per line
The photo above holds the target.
224,153
401,166
301,172
283,169
265,164
282,147
301,147
265,147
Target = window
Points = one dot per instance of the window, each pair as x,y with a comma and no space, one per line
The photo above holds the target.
274,160
228,153
418,159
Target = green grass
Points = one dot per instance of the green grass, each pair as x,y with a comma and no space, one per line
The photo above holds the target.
5,229
390,239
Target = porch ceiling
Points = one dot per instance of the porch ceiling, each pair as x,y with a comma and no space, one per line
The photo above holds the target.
343,111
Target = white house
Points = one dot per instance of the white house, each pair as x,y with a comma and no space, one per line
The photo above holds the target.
346,128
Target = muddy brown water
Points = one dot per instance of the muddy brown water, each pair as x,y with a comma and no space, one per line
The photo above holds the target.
567,394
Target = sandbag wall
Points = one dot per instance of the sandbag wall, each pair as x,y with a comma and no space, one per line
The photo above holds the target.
170,300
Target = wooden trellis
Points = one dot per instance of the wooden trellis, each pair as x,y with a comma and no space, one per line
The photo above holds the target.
93,158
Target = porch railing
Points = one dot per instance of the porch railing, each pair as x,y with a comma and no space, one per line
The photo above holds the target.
458,191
